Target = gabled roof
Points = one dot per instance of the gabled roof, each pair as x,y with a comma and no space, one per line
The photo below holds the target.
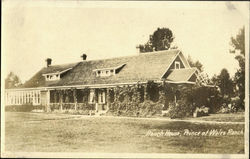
181,75
138,68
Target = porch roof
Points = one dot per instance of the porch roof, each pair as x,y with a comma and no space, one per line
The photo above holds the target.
178,75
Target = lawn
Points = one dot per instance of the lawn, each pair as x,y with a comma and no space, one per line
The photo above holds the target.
231,117
40,132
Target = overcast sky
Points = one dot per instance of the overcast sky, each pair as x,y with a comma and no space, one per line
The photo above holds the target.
35,30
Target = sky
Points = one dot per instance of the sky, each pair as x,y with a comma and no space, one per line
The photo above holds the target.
63,30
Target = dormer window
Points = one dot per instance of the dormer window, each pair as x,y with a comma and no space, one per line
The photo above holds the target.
177,65
54,76
105,72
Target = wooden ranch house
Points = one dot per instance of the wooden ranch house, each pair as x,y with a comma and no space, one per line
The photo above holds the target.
98,76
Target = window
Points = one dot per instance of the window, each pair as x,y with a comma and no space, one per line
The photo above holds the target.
52,77
104,73
177,65
98,73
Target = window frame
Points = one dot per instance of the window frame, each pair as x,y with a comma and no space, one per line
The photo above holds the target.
177,63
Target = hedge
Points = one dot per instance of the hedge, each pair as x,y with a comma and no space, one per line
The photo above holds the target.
22,108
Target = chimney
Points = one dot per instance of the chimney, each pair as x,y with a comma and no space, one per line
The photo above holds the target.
84,57
49,61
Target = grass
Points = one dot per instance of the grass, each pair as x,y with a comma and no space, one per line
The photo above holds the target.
231,117
39,132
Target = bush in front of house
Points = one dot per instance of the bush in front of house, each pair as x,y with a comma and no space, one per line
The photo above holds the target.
227,108
203,96
149,108
54,106
19,108
230,105
190,102
180,109
202,111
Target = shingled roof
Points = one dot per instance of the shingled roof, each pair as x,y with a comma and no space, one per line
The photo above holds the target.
38,80
138,68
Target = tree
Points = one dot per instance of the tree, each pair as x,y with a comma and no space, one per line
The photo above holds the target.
161,39
225,83
214,80
12,81
238,44
196,64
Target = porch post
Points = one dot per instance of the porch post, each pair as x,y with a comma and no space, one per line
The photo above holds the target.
60,99
108,98
33,97
145,92
96,99
48,101
74,96
115,94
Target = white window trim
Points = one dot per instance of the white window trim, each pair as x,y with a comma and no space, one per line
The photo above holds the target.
55,75
104,74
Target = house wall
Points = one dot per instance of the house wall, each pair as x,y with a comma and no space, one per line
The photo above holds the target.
22,97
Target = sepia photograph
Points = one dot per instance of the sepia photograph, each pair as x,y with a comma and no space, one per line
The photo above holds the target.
124,79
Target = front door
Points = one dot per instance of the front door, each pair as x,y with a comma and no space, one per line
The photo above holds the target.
101,100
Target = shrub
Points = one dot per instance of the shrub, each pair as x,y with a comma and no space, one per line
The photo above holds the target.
236,104
19,108
203,111
54,107
149,108
203,96
180,109
226,109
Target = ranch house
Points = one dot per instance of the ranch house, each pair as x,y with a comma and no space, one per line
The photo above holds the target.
92,82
